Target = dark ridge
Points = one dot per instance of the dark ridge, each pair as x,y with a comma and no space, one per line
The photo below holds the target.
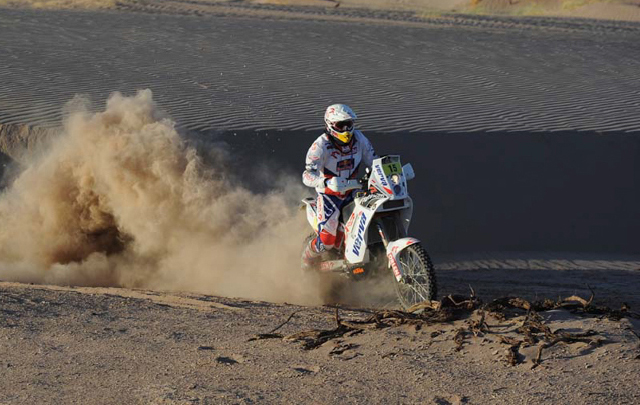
479,192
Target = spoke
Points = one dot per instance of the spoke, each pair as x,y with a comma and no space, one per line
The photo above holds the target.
413,289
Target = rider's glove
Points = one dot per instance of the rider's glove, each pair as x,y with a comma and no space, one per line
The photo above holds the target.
340,185
336,184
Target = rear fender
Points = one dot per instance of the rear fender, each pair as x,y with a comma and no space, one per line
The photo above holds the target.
393,251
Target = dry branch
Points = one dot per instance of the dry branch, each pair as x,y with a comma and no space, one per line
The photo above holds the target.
271,334
533,330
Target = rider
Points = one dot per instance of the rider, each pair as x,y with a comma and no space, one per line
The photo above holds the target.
332,160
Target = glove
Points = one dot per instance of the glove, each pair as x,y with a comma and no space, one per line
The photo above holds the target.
340,185
336,184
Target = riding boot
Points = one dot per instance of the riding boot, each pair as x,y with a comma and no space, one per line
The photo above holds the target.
311,255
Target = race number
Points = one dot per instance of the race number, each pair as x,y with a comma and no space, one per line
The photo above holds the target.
392,168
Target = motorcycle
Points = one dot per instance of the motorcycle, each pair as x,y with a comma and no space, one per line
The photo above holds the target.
376,233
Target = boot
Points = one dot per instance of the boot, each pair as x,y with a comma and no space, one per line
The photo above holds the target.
310,255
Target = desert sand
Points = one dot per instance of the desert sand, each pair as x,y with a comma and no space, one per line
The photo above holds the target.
64,345
149,244
621,10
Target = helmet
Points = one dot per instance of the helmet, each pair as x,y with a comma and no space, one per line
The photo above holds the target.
340,123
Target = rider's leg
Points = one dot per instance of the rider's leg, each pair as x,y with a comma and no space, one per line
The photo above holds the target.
328,221
311,254
328,209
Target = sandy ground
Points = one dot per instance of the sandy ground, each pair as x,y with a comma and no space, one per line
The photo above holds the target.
67,345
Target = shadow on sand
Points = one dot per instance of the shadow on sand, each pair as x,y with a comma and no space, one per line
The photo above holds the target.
478,192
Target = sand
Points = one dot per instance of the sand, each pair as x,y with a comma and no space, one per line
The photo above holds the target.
615,10
501,117
66,345
523,132
232,74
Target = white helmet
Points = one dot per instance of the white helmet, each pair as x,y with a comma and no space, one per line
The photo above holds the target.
340,123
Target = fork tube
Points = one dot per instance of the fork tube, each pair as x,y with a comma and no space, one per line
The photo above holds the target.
385,242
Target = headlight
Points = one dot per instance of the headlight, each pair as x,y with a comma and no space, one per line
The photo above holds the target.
395,179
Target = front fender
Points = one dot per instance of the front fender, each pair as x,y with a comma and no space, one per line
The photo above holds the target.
393,250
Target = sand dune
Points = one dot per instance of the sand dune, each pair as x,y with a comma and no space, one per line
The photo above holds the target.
125,199
620,10
226,74
553,182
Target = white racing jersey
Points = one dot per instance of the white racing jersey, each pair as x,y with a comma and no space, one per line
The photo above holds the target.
326,160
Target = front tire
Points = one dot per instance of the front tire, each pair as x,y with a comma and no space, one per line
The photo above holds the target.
419,280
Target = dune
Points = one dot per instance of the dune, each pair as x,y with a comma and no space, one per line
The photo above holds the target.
523,139
59,4
615,10
226,74
130,218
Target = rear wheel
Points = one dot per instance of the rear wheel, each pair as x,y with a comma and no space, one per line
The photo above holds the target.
419,281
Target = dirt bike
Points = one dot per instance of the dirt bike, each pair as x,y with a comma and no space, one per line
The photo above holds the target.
376,233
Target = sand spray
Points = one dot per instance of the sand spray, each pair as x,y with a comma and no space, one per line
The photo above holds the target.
120,198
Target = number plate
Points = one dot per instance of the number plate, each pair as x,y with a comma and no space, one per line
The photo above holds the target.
391,168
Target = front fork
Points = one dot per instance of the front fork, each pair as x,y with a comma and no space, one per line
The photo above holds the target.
391,260
383,236
393,249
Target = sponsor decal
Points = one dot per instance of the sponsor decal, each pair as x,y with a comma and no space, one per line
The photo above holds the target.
366,199
370,200
350,222
327,208
357,243
394,266
346,164
383,180
327,266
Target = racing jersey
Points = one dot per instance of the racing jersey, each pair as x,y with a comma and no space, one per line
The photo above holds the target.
326,160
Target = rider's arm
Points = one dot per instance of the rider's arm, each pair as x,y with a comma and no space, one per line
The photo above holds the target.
368,153
312,177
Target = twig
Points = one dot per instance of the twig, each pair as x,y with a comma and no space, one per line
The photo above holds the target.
271,334
283,323
593,294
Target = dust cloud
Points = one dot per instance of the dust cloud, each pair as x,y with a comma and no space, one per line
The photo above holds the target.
120,198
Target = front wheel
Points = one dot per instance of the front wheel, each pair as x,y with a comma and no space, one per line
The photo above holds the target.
419,281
